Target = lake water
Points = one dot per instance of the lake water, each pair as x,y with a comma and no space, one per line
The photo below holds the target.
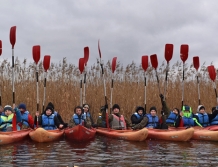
103,151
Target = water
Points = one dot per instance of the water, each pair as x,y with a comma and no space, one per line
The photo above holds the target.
103,151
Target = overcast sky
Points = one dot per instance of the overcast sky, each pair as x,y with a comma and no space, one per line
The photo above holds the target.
127,29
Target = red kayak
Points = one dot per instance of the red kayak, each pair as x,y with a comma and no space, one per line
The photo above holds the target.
80,133
212,127
13,136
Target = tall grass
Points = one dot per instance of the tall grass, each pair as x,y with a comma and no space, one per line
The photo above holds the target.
63,88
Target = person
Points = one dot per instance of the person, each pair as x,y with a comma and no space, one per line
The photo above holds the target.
138,119
79,118
87,113
173,117
48,120
101,121
1,110
58,115
153,120
6,120
116,120
214,121
27,119
189,119
205,119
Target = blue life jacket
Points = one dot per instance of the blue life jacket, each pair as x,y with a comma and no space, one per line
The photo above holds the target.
172,118
214,121
24,117
78,120
152,121
48,122
88,114
188,121
138,116
203,119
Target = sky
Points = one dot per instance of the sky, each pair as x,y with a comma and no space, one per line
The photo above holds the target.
126,29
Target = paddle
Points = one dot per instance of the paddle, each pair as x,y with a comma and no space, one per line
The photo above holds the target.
36,58
12,41
0,89
212,74
145,66
46,65
81,68
86,58
105,96
184,55
196,64
154,64
168,56
113,67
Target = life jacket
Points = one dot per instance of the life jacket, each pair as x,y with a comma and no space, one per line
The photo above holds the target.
203,119
152,121
48,122
25,120
139,118
77,120
172,118
7,122
118,122
188,121
101,122
214,121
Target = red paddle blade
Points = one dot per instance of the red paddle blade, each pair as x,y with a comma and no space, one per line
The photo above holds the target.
168,52
13,36
212,72
46,62
81,65
0,47
86,55
14,123
36,53
114,63
99,49
154,61
184,52
145,62
196,62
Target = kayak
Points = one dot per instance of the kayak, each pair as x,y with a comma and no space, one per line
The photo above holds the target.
42,135
212,127
129,135
208,135
171,135
80,133
13,136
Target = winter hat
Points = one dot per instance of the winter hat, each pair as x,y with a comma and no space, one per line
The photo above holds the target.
22,105
200,107
8,107
85,106
153,108
140,108
116,106
51,104
49,107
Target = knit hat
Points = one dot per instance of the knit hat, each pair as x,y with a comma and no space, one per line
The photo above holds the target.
200,107
140,108
86,106
116,106
22,105
8,107
51,104
153,108
49,107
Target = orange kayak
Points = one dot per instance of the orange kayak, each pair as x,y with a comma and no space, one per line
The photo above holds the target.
42,135
171,135
80,133
130,135
208,135
13,136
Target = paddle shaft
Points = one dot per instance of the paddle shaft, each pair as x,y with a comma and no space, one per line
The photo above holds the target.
199,101
112,86
81,98
84,91
37,87
145,91
43,105
158,81
183,77
165,83
13,92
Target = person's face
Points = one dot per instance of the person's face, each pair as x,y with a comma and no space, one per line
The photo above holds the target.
140,112
21,109
78,111
153,113
1,110
116,110
85,109
48,112
175,111
8,112
202,111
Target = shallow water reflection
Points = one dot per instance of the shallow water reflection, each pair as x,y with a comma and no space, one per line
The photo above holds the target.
103,151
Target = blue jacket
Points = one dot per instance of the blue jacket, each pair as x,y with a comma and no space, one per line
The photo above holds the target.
153,121
78,120
48,122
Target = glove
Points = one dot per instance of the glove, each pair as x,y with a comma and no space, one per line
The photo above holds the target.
162,112
161,96
106,106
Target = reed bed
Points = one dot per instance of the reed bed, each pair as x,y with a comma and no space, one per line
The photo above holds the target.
63,88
